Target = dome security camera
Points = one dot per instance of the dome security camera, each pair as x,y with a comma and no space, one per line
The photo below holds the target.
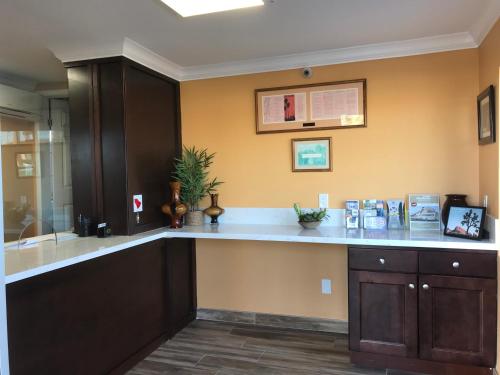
307,72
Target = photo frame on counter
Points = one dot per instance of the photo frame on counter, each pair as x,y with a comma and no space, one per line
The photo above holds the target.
486,128
320,106
466,222
312,154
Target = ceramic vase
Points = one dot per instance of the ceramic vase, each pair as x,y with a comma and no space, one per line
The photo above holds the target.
214,211
175,209
457,200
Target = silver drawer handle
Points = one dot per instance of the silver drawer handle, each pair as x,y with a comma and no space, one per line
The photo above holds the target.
455,264
381,261
425,287
411,286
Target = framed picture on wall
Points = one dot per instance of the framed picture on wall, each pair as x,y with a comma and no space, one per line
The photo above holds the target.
25,165
312,154
466,222
330,105
486,116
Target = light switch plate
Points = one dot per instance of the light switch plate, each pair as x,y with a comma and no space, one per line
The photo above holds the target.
323,200
326,286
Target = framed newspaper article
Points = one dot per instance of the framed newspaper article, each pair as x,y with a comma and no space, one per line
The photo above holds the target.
330,105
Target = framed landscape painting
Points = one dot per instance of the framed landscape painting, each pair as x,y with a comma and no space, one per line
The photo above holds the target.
466,222
311,154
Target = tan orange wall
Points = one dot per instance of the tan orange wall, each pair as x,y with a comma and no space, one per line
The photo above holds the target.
489,64
421,137
272,277
489,74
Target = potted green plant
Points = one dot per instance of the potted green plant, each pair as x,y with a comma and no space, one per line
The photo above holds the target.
310,219
191,170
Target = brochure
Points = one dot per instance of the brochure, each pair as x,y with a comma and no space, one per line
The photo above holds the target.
395,214
352,214
373,208
424,212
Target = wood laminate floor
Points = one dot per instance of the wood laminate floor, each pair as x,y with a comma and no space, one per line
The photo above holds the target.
222,349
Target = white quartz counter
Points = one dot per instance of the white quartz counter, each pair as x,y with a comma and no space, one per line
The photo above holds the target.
46,256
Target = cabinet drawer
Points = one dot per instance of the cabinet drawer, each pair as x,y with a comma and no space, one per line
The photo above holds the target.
458,263
372,259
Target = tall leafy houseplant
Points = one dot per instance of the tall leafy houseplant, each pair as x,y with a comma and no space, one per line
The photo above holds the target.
191,170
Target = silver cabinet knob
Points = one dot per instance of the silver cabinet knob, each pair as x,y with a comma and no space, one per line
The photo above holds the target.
411,286
381,261
455,264
425,287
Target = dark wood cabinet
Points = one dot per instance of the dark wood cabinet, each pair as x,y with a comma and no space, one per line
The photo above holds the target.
84,173
457,319
125,120
181,282
383,313
104,315
424,312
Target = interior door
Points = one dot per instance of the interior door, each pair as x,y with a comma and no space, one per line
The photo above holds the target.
383,313
457,319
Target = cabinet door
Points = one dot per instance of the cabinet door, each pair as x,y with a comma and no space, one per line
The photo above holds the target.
181,276
383,313
457,319
152,143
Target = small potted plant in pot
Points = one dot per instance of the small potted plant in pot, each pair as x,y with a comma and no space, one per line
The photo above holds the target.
191,170
310,219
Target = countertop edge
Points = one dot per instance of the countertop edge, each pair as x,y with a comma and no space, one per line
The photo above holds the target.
257,236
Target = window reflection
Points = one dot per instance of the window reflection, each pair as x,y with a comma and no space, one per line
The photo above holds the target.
36,168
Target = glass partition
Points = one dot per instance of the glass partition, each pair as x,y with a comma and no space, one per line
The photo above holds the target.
36,167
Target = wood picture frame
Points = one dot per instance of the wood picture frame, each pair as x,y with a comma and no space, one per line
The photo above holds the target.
320,106
486,128
312,154
461,219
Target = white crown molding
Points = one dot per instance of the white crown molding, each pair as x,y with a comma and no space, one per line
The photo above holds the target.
377,51
152,60
490,16
77,53
142,55
127,48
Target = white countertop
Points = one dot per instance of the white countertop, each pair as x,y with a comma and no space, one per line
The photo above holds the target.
46,256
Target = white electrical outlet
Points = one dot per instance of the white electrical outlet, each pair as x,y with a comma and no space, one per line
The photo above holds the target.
326,286
485,201
323,200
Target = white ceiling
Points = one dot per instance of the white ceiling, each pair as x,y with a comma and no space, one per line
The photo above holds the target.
256,39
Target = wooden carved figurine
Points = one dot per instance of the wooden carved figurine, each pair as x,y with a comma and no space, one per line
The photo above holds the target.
175,209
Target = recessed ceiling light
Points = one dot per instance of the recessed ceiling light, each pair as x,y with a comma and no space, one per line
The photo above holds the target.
188,8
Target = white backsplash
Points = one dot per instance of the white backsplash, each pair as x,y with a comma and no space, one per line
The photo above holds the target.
273,216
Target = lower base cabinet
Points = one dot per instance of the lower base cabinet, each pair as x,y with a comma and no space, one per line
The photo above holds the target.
181,283
432,311
103,315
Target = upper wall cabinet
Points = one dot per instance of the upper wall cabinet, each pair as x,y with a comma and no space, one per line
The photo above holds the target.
125,133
